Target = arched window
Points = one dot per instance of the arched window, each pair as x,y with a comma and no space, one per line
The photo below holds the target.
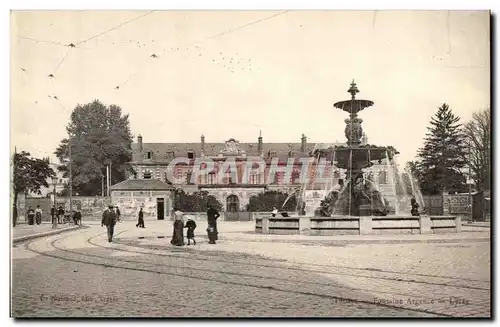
382,177
147,174
233,203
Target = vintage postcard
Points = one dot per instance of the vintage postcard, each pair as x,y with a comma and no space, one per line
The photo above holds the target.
250,164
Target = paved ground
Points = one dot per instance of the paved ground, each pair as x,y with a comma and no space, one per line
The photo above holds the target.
25,230
247,275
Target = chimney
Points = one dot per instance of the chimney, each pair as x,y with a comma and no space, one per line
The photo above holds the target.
364,139
139,141
259,145
202,143
303,143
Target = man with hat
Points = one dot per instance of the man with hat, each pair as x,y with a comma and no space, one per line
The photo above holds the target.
109,220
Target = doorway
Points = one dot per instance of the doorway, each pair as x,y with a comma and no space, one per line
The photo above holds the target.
232,208
160,208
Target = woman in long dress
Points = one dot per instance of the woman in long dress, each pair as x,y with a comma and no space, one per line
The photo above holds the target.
178,234
38,215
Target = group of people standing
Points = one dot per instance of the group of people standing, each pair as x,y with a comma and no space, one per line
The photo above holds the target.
178,234
35,215
111,216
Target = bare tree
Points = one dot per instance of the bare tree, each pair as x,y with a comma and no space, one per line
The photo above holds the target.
478,135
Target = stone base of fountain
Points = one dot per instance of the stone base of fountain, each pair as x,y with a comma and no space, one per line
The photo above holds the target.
357,225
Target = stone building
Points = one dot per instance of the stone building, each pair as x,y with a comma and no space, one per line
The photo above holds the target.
150,162
152,195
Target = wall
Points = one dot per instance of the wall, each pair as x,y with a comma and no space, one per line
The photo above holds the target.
89,206
458,204
130,202
307,225
434,204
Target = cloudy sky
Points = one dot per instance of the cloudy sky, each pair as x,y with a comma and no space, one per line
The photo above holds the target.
231,74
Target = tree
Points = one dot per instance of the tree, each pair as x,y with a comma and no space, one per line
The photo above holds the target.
195,202
478,136
30,175
99,136
265,201
442,157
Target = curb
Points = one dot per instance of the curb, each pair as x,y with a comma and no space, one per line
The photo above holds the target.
49,233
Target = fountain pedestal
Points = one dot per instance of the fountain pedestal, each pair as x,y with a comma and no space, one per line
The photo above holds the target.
365,210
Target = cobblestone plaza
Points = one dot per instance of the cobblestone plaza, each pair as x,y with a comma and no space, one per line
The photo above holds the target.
78,273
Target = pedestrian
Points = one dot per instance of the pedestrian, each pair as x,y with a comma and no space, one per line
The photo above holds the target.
275,212
178,233
53,213
191,226
140,222
38,215
14,214
77,217
31,216
109,220
118,214
213,234
60,214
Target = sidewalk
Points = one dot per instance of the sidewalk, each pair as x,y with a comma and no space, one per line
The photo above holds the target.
24,232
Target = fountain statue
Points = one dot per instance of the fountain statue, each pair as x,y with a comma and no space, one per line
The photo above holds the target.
359,196
414,207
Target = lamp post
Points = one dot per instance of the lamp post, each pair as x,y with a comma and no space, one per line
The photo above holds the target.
70,180
54,219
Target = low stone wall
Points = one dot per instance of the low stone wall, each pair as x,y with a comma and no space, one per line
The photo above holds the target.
346,225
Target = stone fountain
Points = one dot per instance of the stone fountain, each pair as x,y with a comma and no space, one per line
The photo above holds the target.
359,197
358,206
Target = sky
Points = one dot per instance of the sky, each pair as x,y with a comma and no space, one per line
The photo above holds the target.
240,72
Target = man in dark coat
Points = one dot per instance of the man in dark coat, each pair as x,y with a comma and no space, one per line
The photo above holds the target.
109,220
53,213
212,216
140,222
77,217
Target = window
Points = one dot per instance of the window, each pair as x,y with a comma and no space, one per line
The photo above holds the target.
211,178
147,175
253,177
149,155
190,155
382,177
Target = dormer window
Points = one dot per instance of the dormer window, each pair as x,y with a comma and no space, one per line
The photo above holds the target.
190,154
272,154
149,155
169,155
291,153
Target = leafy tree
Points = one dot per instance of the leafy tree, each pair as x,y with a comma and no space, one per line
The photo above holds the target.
265,201
195,202
478,136
30,175
442,157
99,135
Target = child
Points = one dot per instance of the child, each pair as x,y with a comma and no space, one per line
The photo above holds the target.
191,226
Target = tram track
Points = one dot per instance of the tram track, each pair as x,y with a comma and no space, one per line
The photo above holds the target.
118,261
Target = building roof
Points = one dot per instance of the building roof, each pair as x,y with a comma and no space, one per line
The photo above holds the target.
141,184
160,150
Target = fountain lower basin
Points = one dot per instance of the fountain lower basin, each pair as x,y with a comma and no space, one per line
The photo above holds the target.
357,225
